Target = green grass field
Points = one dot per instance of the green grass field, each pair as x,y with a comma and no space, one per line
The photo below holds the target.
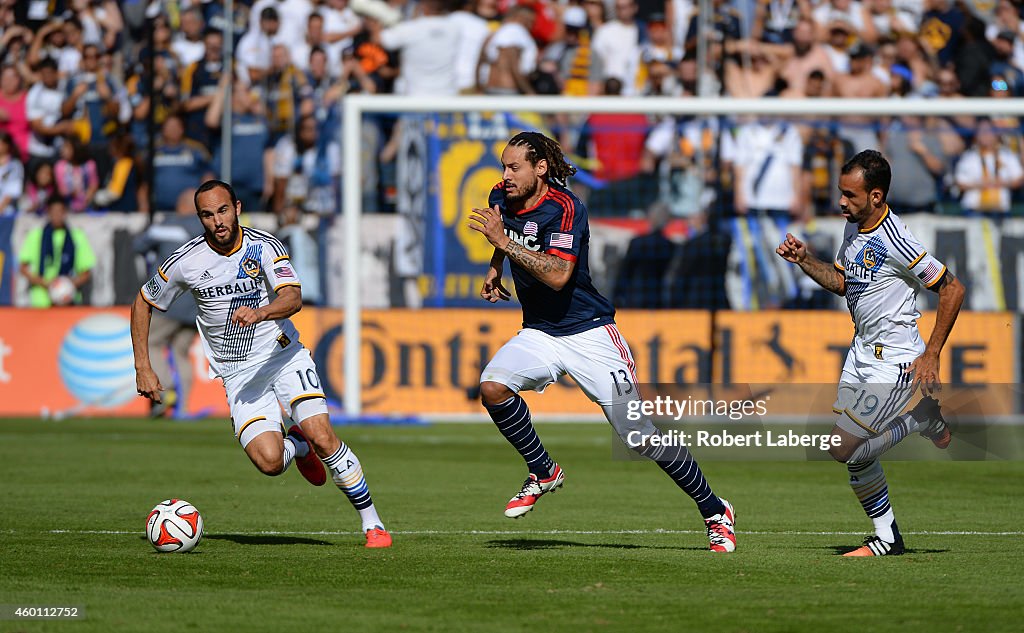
619,548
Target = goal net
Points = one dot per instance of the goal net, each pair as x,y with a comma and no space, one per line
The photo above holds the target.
687,200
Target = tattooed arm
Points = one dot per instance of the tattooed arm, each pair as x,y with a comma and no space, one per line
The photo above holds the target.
551,270
826,275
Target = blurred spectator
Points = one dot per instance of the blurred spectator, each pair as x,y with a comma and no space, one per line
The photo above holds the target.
76,175
573,55
774,21
307,170
303,250
767,170
839,34
198,85
914,148
341,25
726,28
124,191
1003,62
696,276
286,94
1008,20
509,55
292,14
825,152
60,40
640,282
860,82
941,29
949,88
849,15
616,47
684,150
101,22
15,43
315,38
752,80
354,78
987,173
256,47
806,56
887,21
973,58
912,65
473,32
55,250
40,188
615,142
165,87
13,111
1007,127
188,44
93,106
250,145
427,46
12,175
171,333
179,164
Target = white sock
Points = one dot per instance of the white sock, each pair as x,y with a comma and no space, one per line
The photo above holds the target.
289,453
301,448
883,526
369,518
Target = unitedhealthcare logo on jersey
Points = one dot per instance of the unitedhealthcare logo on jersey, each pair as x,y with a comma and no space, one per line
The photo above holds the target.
250,264
529,241
869,260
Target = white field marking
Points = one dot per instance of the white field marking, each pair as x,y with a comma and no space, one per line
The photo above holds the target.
542,532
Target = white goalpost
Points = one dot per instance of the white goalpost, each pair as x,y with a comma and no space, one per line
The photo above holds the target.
355,106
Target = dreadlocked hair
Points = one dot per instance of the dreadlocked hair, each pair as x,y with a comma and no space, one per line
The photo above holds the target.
539,147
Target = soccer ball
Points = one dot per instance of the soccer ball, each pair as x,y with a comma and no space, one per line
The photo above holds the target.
62,291
174,525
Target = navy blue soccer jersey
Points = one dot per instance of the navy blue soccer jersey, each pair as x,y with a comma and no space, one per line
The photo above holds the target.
556,225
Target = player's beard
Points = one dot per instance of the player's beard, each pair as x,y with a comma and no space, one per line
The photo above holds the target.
229,240
522,193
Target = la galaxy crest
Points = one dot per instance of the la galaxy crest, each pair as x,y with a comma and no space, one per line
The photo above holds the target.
250,265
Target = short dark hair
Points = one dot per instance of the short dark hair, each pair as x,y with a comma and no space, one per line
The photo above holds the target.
56,199
46,62
214,184
877,173
270,14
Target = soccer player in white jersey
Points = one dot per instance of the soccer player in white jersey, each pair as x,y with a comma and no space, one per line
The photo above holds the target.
253,347
541,227
880,268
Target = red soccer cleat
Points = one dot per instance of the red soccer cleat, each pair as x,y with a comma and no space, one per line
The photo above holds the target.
721,535
310,466
533,488
378,537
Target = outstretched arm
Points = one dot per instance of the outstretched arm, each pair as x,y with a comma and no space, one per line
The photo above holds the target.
551,270
926,366
146,381
825,275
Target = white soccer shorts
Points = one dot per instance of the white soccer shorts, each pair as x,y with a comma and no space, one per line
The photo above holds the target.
871,392
598,360
257,394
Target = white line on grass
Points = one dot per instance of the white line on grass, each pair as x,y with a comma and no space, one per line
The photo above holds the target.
545,532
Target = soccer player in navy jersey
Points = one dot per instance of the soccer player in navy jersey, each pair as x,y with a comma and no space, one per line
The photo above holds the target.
535,222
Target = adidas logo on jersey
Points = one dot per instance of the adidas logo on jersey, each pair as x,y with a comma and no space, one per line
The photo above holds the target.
206,276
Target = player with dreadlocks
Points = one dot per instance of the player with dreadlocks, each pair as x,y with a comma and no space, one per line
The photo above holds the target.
535,222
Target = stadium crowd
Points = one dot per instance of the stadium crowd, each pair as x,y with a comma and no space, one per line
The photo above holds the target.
89,87
115,105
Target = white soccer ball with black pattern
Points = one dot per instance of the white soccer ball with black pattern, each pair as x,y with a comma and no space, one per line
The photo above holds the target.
174,525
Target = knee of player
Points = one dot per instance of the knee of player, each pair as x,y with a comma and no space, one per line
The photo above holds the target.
270,465
843,452
494,392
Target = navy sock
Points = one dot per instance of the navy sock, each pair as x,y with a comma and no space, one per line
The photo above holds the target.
512,417
679,464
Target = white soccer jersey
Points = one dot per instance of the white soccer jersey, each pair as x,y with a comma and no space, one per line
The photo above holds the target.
221,284
885,266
